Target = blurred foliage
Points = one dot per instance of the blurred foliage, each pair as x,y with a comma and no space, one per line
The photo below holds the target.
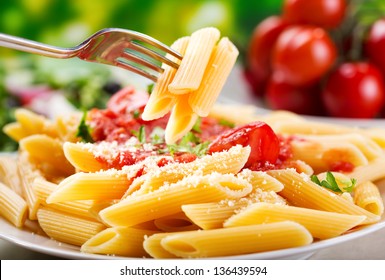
68,22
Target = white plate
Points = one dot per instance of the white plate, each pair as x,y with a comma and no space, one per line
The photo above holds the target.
42,244
235,90
48,246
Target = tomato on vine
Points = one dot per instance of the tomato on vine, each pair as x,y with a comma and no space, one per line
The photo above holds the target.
375,43
323,13
300,100
303,54
259,53
354,90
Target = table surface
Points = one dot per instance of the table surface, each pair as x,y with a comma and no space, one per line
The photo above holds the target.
370,247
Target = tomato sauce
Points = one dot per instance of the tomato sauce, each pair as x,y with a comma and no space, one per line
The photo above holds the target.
342,166
121,120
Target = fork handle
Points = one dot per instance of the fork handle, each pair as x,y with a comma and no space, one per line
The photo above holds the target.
34,47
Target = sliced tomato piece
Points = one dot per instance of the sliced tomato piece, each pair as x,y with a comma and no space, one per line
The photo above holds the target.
261,138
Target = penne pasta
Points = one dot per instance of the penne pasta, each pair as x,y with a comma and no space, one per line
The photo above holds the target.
9,173
118,241
43,189
81,157
153,247
12,206
218,69
67,228
213,215
15,131
27,174
161,99
168,200
321,155
367,196
373,171
261,180
43,148
230,161
237,240
321,224
181,120
369,148
175,222
33,123
302,192
67,126
192,68
103,185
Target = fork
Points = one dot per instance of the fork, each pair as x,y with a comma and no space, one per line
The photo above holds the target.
127,49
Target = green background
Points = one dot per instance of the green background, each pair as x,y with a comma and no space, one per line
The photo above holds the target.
67,23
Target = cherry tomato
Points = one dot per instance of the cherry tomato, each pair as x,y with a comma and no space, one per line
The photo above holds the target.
300,100
127,100
323,13
259,53
303,54
354,90
375,44
262,140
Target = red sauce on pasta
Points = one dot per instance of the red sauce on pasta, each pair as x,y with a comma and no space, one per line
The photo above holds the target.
121,120
342,166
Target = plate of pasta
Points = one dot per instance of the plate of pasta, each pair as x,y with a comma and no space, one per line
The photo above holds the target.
175,174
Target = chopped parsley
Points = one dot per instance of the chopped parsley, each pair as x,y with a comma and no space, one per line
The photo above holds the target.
84,131
157,136
140,134
190,143
331,183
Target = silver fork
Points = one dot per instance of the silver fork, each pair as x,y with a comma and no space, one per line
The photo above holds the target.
127,49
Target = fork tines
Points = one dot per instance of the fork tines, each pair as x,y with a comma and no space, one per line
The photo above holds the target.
146,60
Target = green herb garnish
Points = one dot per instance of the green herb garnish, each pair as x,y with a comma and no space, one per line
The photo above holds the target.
197,126
190,143
226,123
201,149
150,87
136,114
84,131
140,134
331,183
157,135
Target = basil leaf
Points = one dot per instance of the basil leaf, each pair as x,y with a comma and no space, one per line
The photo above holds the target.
315,179
331,183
